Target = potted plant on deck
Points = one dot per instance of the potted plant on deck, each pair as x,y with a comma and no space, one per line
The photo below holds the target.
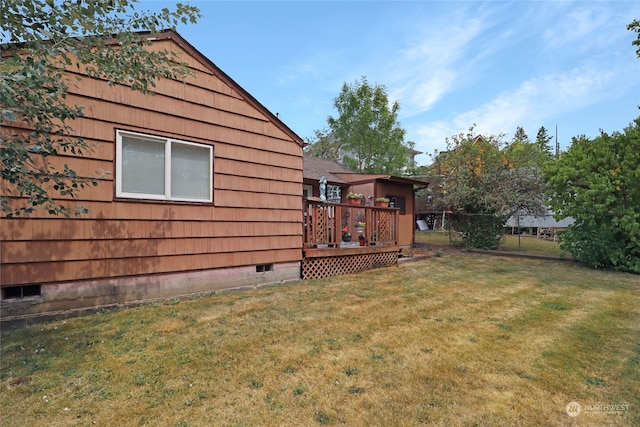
346,236
360,230
354,198
382,202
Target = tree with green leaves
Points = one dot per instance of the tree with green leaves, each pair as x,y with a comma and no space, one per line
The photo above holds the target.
41,40
597,182
484,183
524,153
370,135
520,135
542,141
324,146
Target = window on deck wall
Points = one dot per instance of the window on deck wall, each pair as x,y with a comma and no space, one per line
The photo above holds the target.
398,202
150,167
307,190
334,194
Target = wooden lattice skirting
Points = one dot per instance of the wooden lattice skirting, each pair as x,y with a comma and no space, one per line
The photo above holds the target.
322,267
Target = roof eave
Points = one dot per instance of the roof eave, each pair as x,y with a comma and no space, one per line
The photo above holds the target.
352,179
173,35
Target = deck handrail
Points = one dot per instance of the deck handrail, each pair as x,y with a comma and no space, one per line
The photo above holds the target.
324,222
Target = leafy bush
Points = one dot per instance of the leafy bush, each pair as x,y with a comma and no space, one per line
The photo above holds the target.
597,183
481,231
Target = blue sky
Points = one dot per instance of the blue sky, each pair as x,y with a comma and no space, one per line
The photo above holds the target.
450,64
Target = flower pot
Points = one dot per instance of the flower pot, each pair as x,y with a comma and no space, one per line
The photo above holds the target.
346,237
382,204
353,201
362,242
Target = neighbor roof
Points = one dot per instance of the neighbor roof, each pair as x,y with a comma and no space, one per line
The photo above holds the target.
359,178
317,167
337,174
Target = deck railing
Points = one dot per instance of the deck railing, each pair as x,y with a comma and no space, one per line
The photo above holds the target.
324,225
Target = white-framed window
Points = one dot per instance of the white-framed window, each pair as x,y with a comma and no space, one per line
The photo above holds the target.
151,167
307,190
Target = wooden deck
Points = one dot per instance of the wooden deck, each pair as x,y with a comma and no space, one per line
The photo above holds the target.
325,223
349,250
325,254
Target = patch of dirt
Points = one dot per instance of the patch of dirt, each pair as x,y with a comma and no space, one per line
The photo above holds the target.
423,250
18,381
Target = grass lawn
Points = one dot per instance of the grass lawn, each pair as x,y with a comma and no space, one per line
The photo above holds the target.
529,245
464,339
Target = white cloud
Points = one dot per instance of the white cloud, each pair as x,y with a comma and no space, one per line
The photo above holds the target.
542,97
428,68
529,105
432,137
498,64
580,28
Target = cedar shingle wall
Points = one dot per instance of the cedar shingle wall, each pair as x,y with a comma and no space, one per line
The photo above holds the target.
255,217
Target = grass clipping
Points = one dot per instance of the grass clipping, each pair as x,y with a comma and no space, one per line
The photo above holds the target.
457,340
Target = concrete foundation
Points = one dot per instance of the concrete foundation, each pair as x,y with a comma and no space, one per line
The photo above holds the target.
73,298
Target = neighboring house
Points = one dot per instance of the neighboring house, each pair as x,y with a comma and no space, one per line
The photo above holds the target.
400,190
233,217
543,226
412,159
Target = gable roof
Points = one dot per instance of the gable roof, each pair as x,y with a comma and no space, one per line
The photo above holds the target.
175,37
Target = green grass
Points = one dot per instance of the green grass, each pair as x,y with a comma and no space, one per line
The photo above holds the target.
465,339
529,245
534,246
440,238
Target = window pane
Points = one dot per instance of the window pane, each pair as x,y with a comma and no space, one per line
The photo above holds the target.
334,194
142,166
190,172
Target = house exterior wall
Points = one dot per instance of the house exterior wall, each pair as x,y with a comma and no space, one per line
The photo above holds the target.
366,189
375,189
406,226
124,247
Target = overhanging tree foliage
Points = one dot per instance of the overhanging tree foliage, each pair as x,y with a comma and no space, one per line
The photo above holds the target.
597,182
368,130
40,38
635,27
